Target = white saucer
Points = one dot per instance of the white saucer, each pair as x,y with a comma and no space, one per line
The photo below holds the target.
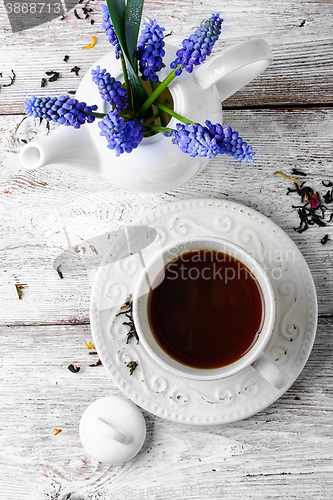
207,402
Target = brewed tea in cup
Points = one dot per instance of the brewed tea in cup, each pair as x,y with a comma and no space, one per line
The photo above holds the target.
209,311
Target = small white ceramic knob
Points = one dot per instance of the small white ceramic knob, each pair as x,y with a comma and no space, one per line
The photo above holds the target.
112,430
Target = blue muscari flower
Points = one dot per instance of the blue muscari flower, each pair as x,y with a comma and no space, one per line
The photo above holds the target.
230,143
63,110
150,50
110,89
195,140
110,31
122,136
198,46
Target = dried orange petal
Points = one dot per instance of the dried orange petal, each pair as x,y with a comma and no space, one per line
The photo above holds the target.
91,45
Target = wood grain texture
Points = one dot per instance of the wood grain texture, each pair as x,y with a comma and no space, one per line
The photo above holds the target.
299,34
284,452
265,456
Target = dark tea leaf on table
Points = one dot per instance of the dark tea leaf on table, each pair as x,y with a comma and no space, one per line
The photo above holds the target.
328,197
98,363
74,369
295,171
61,276
313,211
54,77
19,291
12,79
75,70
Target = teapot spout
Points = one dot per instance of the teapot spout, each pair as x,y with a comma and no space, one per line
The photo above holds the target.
65,145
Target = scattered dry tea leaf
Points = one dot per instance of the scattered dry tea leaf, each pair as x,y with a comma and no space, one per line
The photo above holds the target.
98,363
86,10
313,211
132,366
19,291
75,70
73,368
19,288
61,276
295,171
127,309
324,239
12,79
54,76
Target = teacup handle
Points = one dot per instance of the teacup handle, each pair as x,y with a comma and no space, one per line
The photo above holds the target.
235,67
270,372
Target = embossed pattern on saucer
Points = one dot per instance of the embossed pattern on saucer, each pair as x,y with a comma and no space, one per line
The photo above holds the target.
239,396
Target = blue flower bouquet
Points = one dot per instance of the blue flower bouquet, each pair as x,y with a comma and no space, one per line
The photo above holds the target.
137,110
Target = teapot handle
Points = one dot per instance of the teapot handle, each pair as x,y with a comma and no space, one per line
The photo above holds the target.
235,67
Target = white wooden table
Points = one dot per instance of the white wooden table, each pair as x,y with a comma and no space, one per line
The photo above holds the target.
283,452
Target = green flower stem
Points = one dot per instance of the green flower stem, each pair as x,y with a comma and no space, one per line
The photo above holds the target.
126,82
151,120
157,128
127,116
173,113
161,112
163,85
98,115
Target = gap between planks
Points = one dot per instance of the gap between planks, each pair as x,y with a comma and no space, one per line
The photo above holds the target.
246,107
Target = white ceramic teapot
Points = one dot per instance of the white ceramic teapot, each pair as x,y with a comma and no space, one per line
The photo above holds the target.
156,165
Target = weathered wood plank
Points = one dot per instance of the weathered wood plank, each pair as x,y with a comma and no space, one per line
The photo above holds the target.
38,206
299,34
282,452
286,448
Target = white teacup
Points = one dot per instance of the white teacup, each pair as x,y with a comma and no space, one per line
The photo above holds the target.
254,356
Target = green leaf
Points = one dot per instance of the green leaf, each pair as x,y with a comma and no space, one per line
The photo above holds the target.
133,14
117,10
139,93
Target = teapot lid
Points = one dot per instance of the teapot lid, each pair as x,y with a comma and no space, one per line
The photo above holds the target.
112,430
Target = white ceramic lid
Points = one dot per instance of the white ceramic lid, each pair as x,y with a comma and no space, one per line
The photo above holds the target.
112,430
